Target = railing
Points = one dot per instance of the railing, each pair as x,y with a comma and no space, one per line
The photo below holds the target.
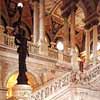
9,42
56,85
33,49
67,58
52,87
92,73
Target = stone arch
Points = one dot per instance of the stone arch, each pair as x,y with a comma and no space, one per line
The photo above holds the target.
34,80
11,72
14,70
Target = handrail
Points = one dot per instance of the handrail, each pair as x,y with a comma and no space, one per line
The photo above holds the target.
92,73
8,40
57,85
51,87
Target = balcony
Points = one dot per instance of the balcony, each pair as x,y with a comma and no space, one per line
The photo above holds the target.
8,42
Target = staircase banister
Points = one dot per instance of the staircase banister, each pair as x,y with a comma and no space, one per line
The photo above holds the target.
51,87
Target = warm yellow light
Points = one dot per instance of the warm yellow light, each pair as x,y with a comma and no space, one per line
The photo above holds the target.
32,81
11,82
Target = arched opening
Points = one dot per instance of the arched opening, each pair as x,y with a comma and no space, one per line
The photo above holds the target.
12,81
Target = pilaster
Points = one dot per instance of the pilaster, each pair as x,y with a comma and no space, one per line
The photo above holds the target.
2,34
87,47
66,35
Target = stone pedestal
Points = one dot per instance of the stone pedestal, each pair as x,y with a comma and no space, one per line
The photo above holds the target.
3,93
22,92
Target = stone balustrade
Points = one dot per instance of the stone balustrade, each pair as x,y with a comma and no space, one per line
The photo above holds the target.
51,87
33,49
8,41
92,73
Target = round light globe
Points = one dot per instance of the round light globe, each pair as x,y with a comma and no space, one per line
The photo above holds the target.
60,45
20,5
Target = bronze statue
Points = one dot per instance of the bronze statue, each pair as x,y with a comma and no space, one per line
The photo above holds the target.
21,42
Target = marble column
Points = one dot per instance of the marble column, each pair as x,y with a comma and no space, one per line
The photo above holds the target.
36,22
42,21
66,35
95,39
43,45
74,53
73,29
87,47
